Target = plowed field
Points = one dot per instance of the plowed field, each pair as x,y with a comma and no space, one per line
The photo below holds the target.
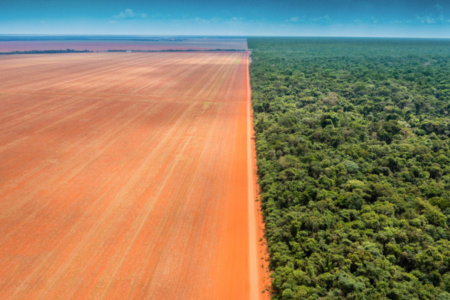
126,176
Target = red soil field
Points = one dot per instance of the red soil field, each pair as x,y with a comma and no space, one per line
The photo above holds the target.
127,176
190,44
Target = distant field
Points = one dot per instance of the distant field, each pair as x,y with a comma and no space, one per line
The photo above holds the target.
124,176
116,44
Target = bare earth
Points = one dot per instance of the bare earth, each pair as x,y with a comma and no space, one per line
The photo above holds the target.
126,176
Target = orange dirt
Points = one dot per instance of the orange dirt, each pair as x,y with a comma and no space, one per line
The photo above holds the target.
126,176
258,250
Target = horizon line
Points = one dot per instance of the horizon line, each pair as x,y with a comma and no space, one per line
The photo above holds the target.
208,35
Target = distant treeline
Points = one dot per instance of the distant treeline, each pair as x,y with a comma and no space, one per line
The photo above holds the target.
172,50
44,52
28,38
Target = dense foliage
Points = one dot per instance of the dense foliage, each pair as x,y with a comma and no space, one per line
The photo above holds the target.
353,149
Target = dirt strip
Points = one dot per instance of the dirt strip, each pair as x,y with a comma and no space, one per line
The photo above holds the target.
259,263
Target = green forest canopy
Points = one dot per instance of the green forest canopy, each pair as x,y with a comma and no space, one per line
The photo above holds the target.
353,151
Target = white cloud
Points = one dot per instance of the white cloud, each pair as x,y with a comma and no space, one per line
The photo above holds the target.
325,18
428,19
129,14
198,19
216,20
433,16
296,19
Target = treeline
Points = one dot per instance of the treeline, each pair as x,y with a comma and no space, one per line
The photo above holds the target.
179,50
45,52
353,155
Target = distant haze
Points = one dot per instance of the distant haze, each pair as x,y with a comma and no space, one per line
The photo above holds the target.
380,18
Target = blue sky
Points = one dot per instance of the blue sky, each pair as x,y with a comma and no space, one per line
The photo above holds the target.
232,17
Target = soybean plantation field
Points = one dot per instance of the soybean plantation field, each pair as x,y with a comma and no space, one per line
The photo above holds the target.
125,176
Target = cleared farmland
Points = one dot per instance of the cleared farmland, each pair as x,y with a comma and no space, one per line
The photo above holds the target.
125,176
